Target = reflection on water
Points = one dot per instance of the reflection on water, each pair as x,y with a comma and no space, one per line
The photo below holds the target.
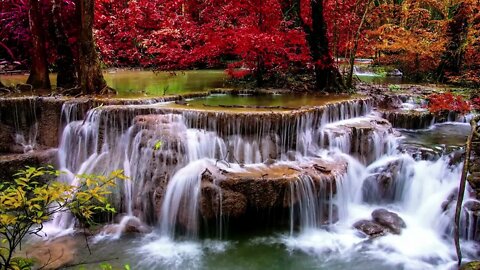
278,100
148,83
131,83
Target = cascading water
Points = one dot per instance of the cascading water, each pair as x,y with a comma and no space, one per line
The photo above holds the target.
166,152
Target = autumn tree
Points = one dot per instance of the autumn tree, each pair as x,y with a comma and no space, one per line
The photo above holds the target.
457,30
460,61
90,76
355,39
38,77
313,22
66,76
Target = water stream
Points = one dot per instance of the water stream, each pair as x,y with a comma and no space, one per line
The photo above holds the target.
166,186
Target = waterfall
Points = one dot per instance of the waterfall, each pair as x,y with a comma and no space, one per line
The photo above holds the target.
165,153
180,205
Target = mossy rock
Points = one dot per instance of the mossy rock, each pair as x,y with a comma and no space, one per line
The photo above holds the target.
471,266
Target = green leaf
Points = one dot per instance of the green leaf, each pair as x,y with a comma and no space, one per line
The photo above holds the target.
158,144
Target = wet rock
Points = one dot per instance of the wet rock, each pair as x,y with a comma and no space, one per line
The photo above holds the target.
6,138
452,197
12,163
457,157
381,185
181,102
5,91
471,205
216,202
378,188
265,188
53,254
389,102
370,228
329,216
134,225
359,137
409,119
24,88
471,266
127,225
419,152
390,220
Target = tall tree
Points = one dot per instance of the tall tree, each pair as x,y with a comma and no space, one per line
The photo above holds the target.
327,76
66,77
90,75
457,31
353,51
39,70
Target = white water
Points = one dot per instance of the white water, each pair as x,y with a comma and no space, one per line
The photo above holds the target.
420,187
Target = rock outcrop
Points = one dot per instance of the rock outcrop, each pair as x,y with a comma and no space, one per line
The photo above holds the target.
383,222
380,186
365,138
261,188
389,220
12,163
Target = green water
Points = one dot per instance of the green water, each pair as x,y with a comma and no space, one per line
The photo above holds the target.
148,83
268,252
286,100
133,83
440,135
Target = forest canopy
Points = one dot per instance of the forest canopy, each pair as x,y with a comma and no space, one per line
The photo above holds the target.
433,40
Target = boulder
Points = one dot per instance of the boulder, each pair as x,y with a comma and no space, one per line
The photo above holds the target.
53,254
12,163
389,102
381,185
127,225
390,220
357,136
370,228
266,188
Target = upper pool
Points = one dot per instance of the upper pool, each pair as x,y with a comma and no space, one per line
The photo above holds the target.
147,83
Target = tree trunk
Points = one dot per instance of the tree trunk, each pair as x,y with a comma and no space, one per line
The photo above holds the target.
90,75
327,76
66,77
39,70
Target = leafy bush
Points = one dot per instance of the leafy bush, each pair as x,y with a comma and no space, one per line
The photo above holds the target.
448,102
30,199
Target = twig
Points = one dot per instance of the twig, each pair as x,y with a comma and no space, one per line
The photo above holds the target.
461,189
91,262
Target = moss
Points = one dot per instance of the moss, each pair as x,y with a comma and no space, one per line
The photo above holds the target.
471,266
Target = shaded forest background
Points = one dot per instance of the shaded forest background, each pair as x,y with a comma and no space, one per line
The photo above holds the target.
428,40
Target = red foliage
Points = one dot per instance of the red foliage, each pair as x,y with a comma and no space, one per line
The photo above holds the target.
476,103
448,102
15,29
189,33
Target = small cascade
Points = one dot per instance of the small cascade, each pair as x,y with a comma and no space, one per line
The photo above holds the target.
19,125
180,205
311,204
359,71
